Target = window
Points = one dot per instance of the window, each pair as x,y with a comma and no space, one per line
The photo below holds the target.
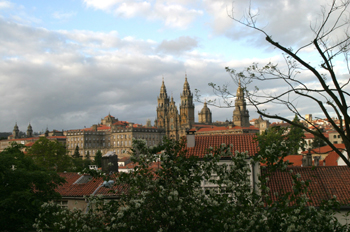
334,136
63,204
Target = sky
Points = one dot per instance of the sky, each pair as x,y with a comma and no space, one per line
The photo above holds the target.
67,64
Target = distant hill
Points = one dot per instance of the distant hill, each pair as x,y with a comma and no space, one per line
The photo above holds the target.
4,134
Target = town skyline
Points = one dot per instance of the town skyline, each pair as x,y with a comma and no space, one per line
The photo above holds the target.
64,66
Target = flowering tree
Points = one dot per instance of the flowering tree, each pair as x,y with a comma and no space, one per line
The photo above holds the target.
176,197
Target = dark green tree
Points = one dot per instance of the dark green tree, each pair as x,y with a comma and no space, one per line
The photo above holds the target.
98,158
24,187
88,155
296,137
318,142
76,152
51,154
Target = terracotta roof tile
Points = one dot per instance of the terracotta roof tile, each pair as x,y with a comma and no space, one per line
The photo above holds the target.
225,128
325,149
240,142
296,160
72,189
325,182
332,159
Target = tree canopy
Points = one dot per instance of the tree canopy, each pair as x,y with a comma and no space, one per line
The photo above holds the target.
24,187
50,154
192,194
98,158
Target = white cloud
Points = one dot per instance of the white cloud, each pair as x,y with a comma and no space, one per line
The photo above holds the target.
5,4
63,15
179,45
171,13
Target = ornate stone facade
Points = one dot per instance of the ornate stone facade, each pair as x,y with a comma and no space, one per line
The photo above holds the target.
204,116
168,117
240,114
111,135
176,125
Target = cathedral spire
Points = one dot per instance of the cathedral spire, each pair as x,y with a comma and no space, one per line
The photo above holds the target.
186,106
163,93
15,132
240,114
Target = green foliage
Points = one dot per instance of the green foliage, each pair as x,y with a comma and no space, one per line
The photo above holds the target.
318,142
76,152
173,197
50,154
88,155
98,158
292,137
24,187
296,137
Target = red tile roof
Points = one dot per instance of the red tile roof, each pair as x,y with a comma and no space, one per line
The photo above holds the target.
225,128
123,159
332,159
240,142
70,189
29,144
325,182
325,149
309,136
296,160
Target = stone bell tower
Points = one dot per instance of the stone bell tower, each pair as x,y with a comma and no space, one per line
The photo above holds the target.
162,108
29,131
186,106
240,114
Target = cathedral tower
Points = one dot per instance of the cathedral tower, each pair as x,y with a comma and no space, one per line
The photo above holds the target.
174,120
240,114
162,108
204,116
29,131
15,132
186,106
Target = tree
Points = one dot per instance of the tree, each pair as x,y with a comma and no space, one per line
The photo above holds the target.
317,142
331,42
296,137
98,158
24,187
51,155
88,155
76,152
172,197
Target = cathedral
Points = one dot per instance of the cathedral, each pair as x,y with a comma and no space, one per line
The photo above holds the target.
176,123
168,117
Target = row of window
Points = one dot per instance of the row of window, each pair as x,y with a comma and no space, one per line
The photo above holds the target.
122,136
116,144
114,131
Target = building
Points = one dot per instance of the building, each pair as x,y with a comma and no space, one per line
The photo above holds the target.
176,124
111,135
28,139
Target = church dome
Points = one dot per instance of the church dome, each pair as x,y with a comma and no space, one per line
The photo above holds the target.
205,109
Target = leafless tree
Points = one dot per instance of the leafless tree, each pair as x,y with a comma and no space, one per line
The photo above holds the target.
331,41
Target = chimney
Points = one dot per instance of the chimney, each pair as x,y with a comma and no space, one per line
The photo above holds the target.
317,160
109,162
307,159
190,139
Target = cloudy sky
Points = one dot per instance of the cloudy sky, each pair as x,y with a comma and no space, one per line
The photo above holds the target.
66,64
